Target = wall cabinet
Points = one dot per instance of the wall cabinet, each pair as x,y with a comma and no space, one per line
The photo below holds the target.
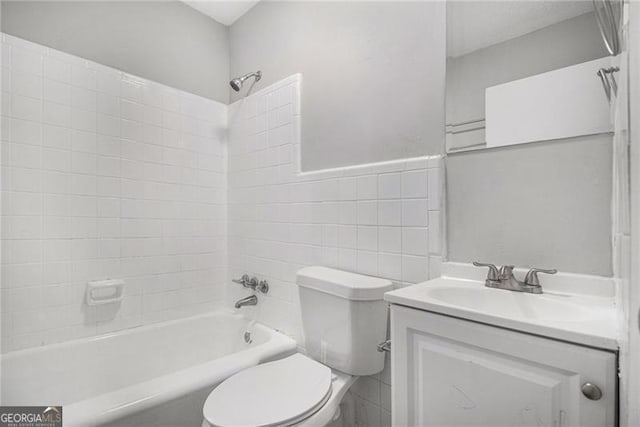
453,372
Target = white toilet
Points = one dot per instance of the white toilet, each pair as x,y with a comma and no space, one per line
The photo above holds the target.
344,319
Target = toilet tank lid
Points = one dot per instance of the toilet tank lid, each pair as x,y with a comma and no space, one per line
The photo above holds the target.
343,283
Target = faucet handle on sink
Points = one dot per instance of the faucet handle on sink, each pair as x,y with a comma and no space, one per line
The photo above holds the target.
531,278
493,270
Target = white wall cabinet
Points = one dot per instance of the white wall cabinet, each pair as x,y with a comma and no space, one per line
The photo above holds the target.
452,372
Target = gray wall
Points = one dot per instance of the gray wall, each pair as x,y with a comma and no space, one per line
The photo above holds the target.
164,41
544,205
373,74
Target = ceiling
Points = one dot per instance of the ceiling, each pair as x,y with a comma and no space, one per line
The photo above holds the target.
473,25
225,12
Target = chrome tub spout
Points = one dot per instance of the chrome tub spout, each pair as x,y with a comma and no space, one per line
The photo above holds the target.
250,300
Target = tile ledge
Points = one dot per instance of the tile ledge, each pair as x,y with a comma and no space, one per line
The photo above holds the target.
399,165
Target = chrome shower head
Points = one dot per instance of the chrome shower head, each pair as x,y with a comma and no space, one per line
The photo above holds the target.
236,84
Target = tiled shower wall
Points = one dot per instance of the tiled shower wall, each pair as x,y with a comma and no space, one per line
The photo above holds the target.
379,219
105,174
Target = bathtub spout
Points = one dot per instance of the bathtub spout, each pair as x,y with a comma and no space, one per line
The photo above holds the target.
250,300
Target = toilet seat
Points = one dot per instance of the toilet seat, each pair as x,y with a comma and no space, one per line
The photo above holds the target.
280,393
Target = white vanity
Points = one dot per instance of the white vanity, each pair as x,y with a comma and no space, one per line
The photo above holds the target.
467,355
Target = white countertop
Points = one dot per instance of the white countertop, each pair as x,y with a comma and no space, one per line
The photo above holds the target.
574,308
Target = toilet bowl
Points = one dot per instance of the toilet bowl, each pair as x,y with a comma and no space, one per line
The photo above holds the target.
344,319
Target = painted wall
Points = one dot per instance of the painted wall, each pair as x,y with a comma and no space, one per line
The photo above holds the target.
542,205
105,175
164,41
373,74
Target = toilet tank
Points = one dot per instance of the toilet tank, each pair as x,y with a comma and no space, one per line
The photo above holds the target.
344,318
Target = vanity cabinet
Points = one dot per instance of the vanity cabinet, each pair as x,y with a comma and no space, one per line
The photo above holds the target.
453,372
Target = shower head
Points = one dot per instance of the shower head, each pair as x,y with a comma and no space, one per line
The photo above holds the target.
237,83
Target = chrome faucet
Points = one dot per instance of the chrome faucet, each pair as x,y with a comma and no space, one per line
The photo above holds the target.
250,300
504,278
253,283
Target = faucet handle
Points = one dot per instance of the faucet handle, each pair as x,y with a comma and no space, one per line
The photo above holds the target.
531,278
244,280
263,286
493,270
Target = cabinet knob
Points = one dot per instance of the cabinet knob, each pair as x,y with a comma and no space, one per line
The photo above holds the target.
591,391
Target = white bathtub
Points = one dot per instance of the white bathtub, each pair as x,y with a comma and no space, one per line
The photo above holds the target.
157,375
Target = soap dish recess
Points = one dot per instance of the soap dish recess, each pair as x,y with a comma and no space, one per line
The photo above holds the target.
107,291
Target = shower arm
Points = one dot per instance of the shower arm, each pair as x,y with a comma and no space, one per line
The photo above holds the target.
256,74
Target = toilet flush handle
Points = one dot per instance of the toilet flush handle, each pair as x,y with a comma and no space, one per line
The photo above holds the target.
385,346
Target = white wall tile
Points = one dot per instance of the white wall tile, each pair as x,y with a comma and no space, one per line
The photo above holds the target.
56,91
25,108
415,269
414,184
26,156
390,212
415,212
415,240
56,114
435,189
26,84
367,187
390,266
83,99
82,76
55,69
368,238
56,137
27,61
390,186
390,239
67,187
367,212
368,263
348,188
26,132
348,236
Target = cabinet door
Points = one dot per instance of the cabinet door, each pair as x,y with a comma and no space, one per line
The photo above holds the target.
452,372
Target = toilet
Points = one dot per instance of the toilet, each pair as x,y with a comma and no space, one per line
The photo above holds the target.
344,318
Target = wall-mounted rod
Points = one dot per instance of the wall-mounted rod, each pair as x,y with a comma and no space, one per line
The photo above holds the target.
609,83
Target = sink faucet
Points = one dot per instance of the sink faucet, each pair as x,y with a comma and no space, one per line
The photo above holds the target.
504,278
250,300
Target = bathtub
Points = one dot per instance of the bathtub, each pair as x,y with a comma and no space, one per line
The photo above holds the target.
156,375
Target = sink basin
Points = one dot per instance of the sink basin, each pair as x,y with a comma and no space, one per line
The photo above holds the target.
510,304
584,318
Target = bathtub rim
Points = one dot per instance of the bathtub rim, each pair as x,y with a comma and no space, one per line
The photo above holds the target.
103,408
130,331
